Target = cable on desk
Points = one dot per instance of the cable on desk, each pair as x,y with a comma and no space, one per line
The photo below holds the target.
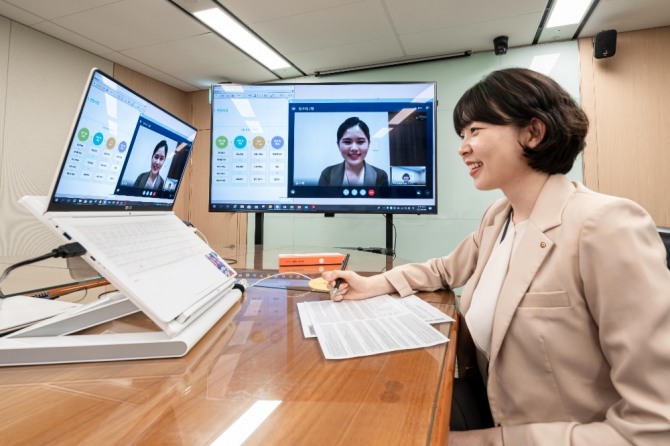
246,284
68,250
82,297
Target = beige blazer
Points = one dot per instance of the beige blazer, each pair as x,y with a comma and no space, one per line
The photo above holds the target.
580,350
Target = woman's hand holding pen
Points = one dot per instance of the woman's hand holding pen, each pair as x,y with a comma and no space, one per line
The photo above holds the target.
352,286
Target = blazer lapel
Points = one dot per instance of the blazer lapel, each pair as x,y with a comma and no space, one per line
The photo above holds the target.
336,175
530,254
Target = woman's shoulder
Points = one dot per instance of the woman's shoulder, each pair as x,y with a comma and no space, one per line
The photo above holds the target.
380,172
585,200
605,215
326,172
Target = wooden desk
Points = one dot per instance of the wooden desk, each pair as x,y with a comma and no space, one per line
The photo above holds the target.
255,353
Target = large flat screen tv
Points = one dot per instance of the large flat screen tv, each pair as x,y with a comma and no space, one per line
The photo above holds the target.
324,148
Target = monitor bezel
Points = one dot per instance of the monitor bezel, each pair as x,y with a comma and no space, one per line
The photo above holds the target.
391,208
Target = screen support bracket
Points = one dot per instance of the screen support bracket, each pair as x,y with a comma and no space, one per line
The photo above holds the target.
259,220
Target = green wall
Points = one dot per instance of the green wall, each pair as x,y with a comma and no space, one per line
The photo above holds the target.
460,205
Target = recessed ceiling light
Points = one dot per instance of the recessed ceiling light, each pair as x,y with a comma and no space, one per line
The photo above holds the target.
567,12
230,29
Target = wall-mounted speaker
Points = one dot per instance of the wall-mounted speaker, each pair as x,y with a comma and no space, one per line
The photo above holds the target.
604,44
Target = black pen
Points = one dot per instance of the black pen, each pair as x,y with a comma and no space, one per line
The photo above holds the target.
339,279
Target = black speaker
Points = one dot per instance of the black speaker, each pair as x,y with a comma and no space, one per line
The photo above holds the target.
604,44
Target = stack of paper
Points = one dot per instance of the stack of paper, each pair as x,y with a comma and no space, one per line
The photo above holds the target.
19,311
352,328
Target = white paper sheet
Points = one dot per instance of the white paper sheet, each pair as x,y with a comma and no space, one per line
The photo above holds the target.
381,324
416,305
19,311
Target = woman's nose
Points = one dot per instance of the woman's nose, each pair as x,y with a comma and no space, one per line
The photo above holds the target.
464,147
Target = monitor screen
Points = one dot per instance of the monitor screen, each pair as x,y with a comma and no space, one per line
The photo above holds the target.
325,147
124,152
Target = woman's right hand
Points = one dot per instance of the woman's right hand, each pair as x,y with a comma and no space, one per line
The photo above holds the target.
352,287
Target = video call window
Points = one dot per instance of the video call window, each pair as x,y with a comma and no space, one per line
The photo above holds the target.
391,143
155,162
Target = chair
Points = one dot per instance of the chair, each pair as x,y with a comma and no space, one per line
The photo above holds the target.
665,236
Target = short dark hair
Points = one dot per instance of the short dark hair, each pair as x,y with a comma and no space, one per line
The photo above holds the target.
405,175
514,96
352,122
163,143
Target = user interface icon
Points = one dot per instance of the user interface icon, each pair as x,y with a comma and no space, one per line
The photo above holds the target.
258,142
97,139
240,142
83,134
221,142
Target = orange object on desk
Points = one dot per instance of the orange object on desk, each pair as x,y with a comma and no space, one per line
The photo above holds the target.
324,258
308,269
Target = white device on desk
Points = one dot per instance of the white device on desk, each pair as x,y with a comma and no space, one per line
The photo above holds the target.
104,198
20,311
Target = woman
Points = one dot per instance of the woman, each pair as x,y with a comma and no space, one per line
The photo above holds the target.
353,140
152,179
565,291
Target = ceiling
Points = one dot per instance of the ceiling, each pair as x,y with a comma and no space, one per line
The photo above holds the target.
159,39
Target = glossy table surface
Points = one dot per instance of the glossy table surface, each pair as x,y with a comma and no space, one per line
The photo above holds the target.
255,357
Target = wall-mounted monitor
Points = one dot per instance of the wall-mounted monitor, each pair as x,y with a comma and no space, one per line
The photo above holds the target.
324,147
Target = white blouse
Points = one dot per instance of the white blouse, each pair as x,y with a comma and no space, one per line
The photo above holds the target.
485,297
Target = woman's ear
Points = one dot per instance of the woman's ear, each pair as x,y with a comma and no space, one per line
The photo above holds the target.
536,130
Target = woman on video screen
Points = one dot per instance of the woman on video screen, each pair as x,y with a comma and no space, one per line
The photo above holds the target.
353,140
152,179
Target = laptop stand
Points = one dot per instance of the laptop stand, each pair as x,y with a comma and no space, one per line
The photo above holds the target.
52,342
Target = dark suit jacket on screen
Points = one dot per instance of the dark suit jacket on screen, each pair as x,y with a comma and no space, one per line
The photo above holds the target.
141,181
332,176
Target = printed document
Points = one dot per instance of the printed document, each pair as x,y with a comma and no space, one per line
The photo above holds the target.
381,324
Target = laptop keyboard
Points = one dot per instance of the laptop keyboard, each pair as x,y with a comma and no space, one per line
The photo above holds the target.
142,244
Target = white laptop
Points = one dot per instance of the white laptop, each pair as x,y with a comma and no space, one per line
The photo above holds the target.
114,193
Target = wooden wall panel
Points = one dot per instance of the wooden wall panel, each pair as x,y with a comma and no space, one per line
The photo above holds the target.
201,109
627,99
223,230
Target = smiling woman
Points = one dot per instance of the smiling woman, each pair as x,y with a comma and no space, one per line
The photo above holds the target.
353,140
152,178
546,278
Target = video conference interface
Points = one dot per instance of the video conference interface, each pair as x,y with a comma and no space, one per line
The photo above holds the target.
125,151
290,148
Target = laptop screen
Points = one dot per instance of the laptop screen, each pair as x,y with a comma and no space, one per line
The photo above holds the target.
124,152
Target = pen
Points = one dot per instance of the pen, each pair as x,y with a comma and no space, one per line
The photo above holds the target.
339,279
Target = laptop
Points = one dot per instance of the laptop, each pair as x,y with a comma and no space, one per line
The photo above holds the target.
114,193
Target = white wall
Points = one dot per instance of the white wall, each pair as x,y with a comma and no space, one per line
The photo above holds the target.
460,205
41,82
